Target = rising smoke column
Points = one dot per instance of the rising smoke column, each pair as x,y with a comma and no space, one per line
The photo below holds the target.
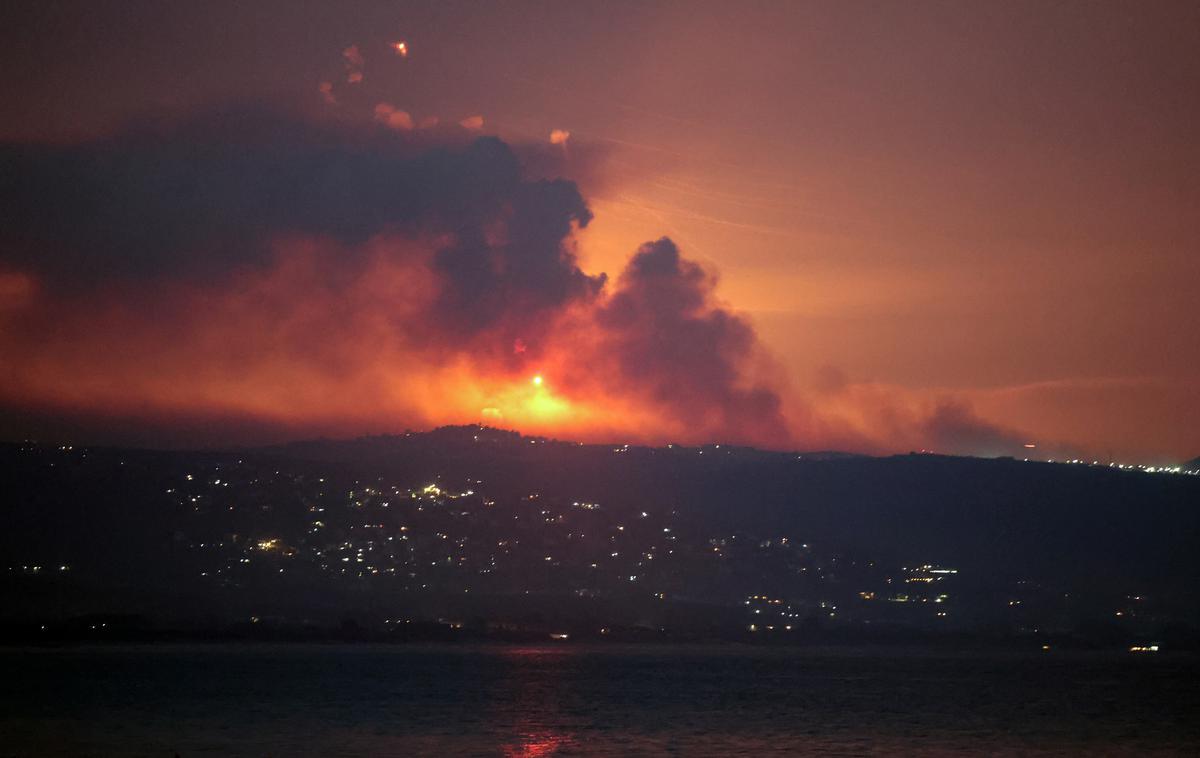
238,257
689,357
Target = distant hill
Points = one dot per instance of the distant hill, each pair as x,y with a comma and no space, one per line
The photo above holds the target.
994,514
425,522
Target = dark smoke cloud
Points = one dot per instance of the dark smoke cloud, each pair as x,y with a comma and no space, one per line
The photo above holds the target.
521,266
216,265
200,196
953,426
672,343
185,219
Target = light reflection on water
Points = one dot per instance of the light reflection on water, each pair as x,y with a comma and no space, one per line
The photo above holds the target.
537,745
533,689
331,700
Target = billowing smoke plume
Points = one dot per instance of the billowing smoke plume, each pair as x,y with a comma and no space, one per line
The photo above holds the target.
249,274
673,345
326,278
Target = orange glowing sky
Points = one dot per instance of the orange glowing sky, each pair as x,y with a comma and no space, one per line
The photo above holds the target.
955,226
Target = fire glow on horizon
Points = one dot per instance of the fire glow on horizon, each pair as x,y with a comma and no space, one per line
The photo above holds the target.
320,336
373,256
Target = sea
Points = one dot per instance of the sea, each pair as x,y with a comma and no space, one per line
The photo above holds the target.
609,700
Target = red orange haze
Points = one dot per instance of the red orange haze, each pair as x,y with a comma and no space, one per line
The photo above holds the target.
868,227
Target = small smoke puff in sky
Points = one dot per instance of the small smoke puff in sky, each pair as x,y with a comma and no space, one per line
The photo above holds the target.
353,56
559,136
394,118
474,123
326,90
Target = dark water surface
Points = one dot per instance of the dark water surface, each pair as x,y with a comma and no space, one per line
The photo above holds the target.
334,700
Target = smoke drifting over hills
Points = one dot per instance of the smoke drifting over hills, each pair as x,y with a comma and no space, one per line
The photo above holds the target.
322,277
250,274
